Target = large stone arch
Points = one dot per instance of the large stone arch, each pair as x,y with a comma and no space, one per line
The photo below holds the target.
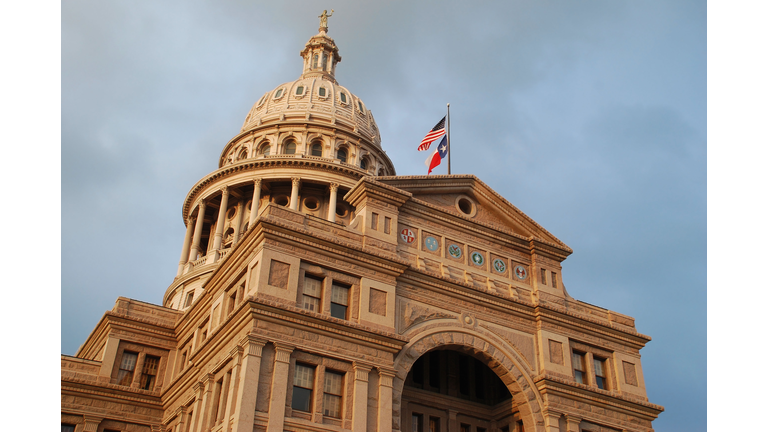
497,355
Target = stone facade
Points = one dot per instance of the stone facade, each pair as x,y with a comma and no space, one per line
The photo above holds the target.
317,291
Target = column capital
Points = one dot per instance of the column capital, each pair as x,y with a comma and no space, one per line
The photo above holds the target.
333,187
201,204
295,181
257,181
283,352
386,376
181,410
252,345
207,380
361,370
236,351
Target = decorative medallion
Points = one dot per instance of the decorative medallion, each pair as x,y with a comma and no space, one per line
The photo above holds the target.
499,265
407,235
521,272
454,251
431,243
477,258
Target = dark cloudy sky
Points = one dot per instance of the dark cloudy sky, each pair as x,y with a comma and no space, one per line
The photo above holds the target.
589,116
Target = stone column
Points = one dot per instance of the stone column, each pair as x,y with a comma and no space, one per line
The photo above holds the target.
247,383
385,399
136,382
220,220
332,202
196,417
108,358
185,248
238,221
91,423
453,423
279,388
572,423
255,202
181,413
551,421
206,405
295,181
198,232
360,397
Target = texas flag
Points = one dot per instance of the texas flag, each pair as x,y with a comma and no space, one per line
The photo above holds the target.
440,152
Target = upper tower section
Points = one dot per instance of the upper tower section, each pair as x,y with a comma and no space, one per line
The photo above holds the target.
312,116
321,54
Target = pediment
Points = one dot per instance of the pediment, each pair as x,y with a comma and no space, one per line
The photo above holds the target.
452,194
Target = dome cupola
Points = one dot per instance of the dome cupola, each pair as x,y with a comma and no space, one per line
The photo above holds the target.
302,147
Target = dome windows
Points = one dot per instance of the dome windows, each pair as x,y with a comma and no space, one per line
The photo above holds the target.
322,92
279,93
343,98
314,61
261,101
316,149
300,90
243,154
264,149
342,155
289,147
360,105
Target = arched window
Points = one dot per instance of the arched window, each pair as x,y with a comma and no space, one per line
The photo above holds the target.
364,163
314,61
342,155
264,149
290,148
325,61
243,154
316,149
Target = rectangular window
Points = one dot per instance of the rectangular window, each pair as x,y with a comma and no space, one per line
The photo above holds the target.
374,221
554,280
387,224
183,361
434,369
216,397
480,429
417,423
149,372
600,373
303,383
190,296
543,277
127,366
579,371
465,428
434,424
232,302
67,428
339,301
464,376
311,298
334,383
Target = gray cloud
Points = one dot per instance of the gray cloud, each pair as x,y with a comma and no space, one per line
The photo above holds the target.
588,116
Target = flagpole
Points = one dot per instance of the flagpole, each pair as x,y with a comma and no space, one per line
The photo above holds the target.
448,134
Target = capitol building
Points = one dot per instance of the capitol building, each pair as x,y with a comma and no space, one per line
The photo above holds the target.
317,290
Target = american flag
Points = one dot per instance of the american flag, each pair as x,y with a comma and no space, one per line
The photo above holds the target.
435,133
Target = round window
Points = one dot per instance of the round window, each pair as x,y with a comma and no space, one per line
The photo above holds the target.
231,212
281,200
311,203
466,206
341,210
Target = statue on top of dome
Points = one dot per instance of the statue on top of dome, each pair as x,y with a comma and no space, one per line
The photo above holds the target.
324,20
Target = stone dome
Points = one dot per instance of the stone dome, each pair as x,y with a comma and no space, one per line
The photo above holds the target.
316,97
